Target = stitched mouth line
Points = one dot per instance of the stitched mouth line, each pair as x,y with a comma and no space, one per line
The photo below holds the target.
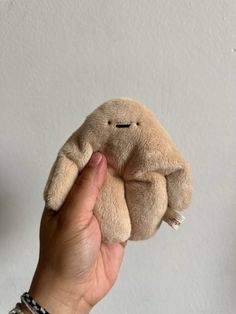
123,125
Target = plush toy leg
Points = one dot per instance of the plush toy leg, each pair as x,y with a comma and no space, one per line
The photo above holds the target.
112,212
147,202
60,181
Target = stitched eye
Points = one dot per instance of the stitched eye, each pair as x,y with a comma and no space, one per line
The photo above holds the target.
109,122
138,123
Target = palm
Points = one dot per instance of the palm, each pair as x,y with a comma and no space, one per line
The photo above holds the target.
106,266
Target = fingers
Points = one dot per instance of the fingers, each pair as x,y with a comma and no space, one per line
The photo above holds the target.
82,197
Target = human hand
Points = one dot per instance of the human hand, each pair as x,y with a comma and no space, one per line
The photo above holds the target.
76,269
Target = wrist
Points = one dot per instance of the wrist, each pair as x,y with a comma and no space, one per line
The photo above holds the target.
57,296
25,309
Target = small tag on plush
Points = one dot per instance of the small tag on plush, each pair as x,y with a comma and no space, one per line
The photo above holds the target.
173,218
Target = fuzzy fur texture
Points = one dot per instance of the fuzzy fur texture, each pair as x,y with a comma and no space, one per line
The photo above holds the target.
148,178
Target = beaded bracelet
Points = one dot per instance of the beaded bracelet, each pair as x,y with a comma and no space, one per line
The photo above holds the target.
32,305
17,309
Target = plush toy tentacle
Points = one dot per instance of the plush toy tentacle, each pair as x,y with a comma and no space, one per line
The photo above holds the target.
146,197
179,188
112,212
60,181
70,161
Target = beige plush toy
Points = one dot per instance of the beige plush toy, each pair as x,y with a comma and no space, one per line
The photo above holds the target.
148,179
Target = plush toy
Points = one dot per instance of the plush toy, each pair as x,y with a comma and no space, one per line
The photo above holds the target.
148,179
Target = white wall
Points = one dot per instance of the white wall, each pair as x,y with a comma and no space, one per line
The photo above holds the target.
61,59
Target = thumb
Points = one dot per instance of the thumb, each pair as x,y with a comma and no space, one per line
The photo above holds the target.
82,197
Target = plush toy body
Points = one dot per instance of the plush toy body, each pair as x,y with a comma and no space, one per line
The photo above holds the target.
148,178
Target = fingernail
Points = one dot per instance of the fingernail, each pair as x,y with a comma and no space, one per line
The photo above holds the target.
95,159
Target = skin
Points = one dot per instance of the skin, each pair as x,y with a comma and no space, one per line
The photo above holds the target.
75,268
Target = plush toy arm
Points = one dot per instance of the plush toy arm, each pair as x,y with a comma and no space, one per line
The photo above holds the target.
61,178
179,188
70,160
